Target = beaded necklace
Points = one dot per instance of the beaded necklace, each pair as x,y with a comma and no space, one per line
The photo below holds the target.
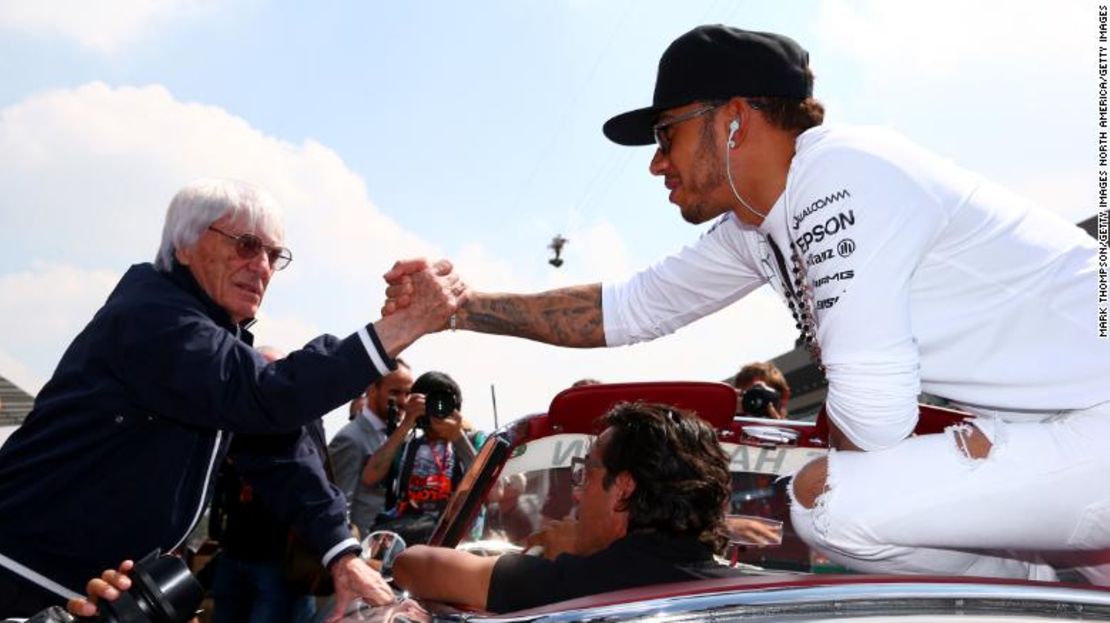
799,296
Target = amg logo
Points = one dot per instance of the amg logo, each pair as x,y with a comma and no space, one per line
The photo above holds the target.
817,258
834,225
827,303
820,203
844,274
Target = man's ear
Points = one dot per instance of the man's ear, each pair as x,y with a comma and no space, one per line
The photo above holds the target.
182,255
625,485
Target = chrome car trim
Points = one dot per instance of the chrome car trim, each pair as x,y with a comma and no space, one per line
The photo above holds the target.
805,603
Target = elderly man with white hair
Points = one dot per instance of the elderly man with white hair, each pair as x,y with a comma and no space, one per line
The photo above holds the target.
117,456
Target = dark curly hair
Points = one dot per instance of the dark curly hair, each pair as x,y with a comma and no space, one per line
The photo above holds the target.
681,473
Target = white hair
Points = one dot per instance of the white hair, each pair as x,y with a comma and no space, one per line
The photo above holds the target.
205,201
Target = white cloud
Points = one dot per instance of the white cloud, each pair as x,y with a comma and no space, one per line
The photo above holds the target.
103,25
44,307
87,173
926,40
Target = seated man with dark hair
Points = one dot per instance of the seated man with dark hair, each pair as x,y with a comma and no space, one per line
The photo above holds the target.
651,494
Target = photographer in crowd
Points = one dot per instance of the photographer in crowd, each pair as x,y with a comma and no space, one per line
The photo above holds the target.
117,455
421,473
374,423
761,391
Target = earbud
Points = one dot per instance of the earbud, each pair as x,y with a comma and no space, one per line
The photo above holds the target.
733,127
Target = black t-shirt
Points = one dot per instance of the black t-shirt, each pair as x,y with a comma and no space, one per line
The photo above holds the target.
638,559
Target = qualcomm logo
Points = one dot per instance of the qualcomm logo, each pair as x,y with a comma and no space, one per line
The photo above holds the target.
819,204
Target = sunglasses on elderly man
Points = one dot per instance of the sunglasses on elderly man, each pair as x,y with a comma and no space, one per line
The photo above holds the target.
248,246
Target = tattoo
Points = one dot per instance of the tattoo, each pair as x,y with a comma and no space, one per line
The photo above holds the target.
565,317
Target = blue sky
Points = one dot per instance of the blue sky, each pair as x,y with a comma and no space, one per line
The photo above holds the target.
471,131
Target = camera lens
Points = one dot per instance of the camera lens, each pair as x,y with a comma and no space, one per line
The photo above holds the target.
757,400
162,591
440,404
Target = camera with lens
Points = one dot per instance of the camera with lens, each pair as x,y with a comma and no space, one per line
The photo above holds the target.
438,404
162,591
757,400
392,416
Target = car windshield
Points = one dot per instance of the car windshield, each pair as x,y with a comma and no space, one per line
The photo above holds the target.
535,487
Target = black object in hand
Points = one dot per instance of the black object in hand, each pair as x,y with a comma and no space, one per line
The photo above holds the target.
758,399
392,416
438,405
162,591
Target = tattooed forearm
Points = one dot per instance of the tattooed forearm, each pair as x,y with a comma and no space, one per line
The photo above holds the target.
566,317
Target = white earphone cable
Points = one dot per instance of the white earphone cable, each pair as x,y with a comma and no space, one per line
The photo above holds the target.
728,171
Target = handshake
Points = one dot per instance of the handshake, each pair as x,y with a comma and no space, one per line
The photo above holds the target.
419,286
421,298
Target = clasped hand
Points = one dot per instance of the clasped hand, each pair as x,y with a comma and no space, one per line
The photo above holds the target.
424,289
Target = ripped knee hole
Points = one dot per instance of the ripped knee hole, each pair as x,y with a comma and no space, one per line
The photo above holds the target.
971,441
810,482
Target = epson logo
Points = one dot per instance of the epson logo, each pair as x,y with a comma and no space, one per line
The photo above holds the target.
819,204
833,226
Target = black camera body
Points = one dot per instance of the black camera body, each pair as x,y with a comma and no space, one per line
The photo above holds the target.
392,416
438,404
758,398
162,591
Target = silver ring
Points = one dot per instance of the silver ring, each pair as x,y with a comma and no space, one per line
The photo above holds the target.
453,322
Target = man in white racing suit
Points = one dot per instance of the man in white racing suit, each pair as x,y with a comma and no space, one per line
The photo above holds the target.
905,274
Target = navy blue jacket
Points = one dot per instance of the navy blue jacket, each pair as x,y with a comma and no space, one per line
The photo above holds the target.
117,455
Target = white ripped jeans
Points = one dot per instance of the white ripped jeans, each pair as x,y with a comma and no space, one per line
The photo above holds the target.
924,507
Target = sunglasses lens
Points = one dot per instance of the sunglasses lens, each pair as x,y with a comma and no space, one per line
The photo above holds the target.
248,246
281,259
661,139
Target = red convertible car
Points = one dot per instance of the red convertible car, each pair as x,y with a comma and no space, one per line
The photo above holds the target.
522,476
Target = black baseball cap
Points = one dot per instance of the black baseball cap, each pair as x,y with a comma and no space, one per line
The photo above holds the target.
717,62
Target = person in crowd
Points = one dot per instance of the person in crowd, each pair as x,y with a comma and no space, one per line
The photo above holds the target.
512,514
651,495
117,455
765,376
421,473
252,579
355,407
357,441
905,273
